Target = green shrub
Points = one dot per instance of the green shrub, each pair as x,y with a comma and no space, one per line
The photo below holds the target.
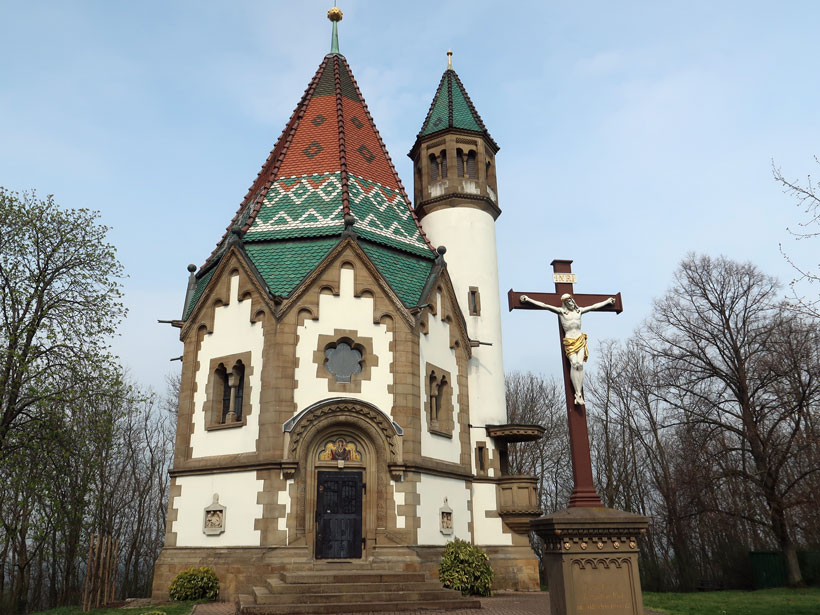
466,568
154,612
195,584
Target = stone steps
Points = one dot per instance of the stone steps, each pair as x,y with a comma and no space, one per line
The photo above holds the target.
350,590
351,576
263,596
279,588
356,607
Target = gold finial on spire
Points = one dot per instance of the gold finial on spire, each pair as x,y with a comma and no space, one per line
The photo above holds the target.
449,59
335,14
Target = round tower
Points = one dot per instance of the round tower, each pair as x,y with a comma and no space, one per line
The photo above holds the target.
456,200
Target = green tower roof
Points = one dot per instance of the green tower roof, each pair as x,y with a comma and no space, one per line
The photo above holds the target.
452,108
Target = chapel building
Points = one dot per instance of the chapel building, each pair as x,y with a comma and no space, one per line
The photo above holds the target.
342,396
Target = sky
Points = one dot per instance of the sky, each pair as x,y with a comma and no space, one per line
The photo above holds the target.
631,133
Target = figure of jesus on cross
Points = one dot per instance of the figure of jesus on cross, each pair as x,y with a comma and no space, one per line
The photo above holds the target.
574,345
574,341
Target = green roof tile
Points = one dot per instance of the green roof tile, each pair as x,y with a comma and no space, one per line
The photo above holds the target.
284,264
439,116
452,108
311,206
326,85
405,274
201,283
462,114
348,89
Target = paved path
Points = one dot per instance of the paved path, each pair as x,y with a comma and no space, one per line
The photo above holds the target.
502,603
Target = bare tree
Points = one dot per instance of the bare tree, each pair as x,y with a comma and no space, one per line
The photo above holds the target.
808,198
716,338
535,400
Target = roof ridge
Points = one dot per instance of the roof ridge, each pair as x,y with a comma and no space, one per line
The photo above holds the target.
341,124
387,156
470,104
449,97
432,106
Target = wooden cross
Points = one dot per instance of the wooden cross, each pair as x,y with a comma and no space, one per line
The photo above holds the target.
583,492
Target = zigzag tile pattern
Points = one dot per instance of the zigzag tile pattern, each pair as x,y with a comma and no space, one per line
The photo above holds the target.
311,206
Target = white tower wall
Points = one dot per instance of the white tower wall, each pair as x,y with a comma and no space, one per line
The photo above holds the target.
468,234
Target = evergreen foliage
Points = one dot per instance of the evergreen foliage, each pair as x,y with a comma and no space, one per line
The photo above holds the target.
195,584
466,567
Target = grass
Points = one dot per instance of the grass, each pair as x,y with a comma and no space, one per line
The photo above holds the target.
779,601
169,608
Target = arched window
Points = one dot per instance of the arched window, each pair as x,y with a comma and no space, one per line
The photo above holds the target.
438,401
238,373
443,169
225,394
433,168
442,395
223,391
229,391
472,170
460,162
435,400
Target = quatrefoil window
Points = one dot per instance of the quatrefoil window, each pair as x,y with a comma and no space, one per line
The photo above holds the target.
343,361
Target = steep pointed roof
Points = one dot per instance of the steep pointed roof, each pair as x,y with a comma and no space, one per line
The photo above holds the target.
329,163
452,108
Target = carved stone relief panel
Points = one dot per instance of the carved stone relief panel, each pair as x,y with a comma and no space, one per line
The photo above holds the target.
213,522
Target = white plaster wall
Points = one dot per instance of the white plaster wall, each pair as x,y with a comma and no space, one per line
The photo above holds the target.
469,235
284,499
344,312
398,499
487,530
237,493
432,491
233,333
434,347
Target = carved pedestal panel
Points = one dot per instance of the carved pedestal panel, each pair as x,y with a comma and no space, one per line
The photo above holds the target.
592,560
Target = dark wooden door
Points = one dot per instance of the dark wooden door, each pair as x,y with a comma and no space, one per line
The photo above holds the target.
339,515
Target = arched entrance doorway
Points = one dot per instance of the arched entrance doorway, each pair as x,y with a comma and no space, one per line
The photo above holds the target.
344,450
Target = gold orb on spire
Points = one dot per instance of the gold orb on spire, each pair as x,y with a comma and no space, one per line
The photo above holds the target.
335,14
449,58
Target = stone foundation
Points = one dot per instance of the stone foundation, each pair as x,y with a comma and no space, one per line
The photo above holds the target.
237,568
240,568
514,568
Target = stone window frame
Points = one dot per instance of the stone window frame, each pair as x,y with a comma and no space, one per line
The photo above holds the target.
474,301
438,166
352,338
466,163
482,458
443,424
214,395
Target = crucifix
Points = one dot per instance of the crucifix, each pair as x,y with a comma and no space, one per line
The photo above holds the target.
569,308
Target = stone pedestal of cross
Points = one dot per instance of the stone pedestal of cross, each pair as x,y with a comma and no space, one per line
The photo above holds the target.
583,492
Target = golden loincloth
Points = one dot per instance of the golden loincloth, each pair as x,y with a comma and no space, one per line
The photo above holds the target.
573,345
